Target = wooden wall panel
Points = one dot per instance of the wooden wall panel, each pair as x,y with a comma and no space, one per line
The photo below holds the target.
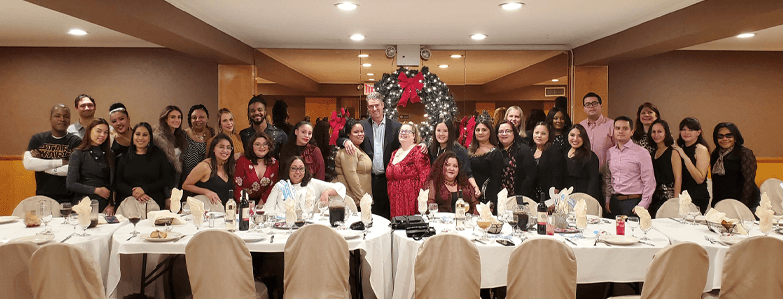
236,86
590,79
16,182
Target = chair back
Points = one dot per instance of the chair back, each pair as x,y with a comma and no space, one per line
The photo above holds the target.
751,269
554,265
677,271
219,266
65,271
671,209
53,205
774,189
531,204
316,264
735,209
130,204
447,266
593,207
208,204
15,276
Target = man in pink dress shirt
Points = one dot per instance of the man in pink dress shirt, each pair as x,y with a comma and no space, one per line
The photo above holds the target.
598,127
629,176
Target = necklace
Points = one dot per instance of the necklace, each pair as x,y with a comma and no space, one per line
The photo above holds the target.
450,184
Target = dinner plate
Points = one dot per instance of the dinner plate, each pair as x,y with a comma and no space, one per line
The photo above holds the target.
349,234
252,237
171,236
283,225
8,219
37,239
731,240
570,230
619,240
592,219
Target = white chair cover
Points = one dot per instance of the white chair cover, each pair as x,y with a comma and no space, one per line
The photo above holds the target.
593,207
131,204
53,205
677,271
220,266
208,204
65,271
531,204
447,266
774,190
316,264
671,209
735,209
15,274
554,265
751,269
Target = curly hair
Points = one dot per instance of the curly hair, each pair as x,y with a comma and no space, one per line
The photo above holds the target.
437,174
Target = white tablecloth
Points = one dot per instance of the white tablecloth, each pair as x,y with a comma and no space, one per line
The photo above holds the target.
599,263
376,250
97,244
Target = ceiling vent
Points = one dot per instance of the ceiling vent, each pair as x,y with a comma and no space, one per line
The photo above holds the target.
554,91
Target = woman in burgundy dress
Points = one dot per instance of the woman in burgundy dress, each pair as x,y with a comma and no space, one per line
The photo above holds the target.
257,171
407,172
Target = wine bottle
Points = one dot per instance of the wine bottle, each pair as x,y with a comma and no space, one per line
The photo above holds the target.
231,212
542,215
244,212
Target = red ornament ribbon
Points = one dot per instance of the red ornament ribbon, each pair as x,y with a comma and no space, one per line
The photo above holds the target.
410,88
336,122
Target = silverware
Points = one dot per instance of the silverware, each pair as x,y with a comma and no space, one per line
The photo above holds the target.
181,237
131,237
572,242
271,239
66,238
646,243
479,241
596,241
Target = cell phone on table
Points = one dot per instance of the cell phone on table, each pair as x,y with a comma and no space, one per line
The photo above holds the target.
111,219
505,242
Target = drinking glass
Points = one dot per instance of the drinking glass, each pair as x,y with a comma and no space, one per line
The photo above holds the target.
684,216
764,230
206,213
322,207
422,209
186,210
645,233
46,217
366,223
693,215
433,208
65,210
581,227
747,224
74,222
271,218
633,223
84,225
470,222
259,217
134,218
484,226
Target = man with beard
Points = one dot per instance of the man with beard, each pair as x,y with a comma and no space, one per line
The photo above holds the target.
85,105
48,154
256,114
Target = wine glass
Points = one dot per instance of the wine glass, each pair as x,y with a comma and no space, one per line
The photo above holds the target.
65,210
322,207
693,215
366,223
633,223
134,217
645,230
484,226
290,221
84,224
259,217
747,224
433,208
422,209
186,210
46,217
765,229
271,218
684,215
582,225
73,222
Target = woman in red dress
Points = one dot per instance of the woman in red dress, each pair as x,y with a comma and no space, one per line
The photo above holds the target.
257,170
407,172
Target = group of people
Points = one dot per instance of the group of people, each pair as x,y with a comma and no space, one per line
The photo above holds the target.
622,162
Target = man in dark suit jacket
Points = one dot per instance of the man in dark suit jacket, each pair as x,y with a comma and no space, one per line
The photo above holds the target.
379,149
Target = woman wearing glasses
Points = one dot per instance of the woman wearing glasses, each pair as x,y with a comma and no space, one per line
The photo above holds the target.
257,171
733,167
213,176
519,172
407,172
296,181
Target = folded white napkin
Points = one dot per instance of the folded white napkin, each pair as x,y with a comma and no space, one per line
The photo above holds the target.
83,209
644,217
424,196
366,204
351,204
484,211
765,213
713,215
580,209
175,205
162,214
290,210
685,203
197,209
502,198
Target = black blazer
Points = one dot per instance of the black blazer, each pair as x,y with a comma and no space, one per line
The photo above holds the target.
551,166
391,142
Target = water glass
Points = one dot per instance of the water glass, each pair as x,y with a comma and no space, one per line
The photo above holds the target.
322,207
65,211
46,216
433,208
186,209
693,215
633,223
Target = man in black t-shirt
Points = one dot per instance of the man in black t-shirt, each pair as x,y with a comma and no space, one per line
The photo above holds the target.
48,154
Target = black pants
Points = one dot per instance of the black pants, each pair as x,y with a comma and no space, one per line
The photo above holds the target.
380,196
623,207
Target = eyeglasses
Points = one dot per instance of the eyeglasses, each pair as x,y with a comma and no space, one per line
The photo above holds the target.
402,132
504,132
228,148
592,104
298,169
727,136
262,145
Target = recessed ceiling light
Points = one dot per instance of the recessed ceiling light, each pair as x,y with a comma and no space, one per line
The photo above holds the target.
478,36
511,5
364,55
357,37
746,35
443,66
77,32
370,74
366,65
456,56
372,79
555,80
346,5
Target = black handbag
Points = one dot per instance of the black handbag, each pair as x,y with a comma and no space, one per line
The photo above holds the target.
419,231
403,222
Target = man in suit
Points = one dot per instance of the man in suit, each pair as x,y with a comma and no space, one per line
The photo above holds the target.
380,142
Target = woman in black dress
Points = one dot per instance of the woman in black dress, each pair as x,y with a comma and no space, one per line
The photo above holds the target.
92,166
581,164
121,133
486,161
695,160
733,167
645,116
667,165
549,160
144,171
445,141
560,122
214,176
519,171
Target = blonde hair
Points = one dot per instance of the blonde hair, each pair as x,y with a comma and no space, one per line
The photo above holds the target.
521,126
415,129
220,115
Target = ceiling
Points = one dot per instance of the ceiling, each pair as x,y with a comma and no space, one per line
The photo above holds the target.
770,39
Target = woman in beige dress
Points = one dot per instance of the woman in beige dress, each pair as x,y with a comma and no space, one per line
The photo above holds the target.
354,171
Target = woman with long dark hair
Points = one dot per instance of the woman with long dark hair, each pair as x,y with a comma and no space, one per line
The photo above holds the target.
733,167
581,164
213,177
170,138
446,141
695,155
120,134
667,165
354,171
143,172
257,170
92,166
486,160
297,180
549,160
645,116
560,122
519,167
197,135
448,182
303,146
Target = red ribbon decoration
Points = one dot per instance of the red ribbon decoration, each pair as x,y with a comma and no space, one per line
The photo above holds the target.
471,127
410,88
336,123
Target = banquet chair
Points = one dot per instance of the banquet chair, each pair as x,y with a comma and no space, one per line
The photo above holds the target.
531,204
220,266
677,271
316,264
593,207
208,204
751,269
671,209
734,209
15,277
554,265
131,204
54,206
453,275
774,190
65,271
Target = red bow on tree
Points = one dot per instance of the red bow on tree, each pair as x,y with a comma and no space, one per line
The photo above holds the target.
336,123
410,88
469,129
